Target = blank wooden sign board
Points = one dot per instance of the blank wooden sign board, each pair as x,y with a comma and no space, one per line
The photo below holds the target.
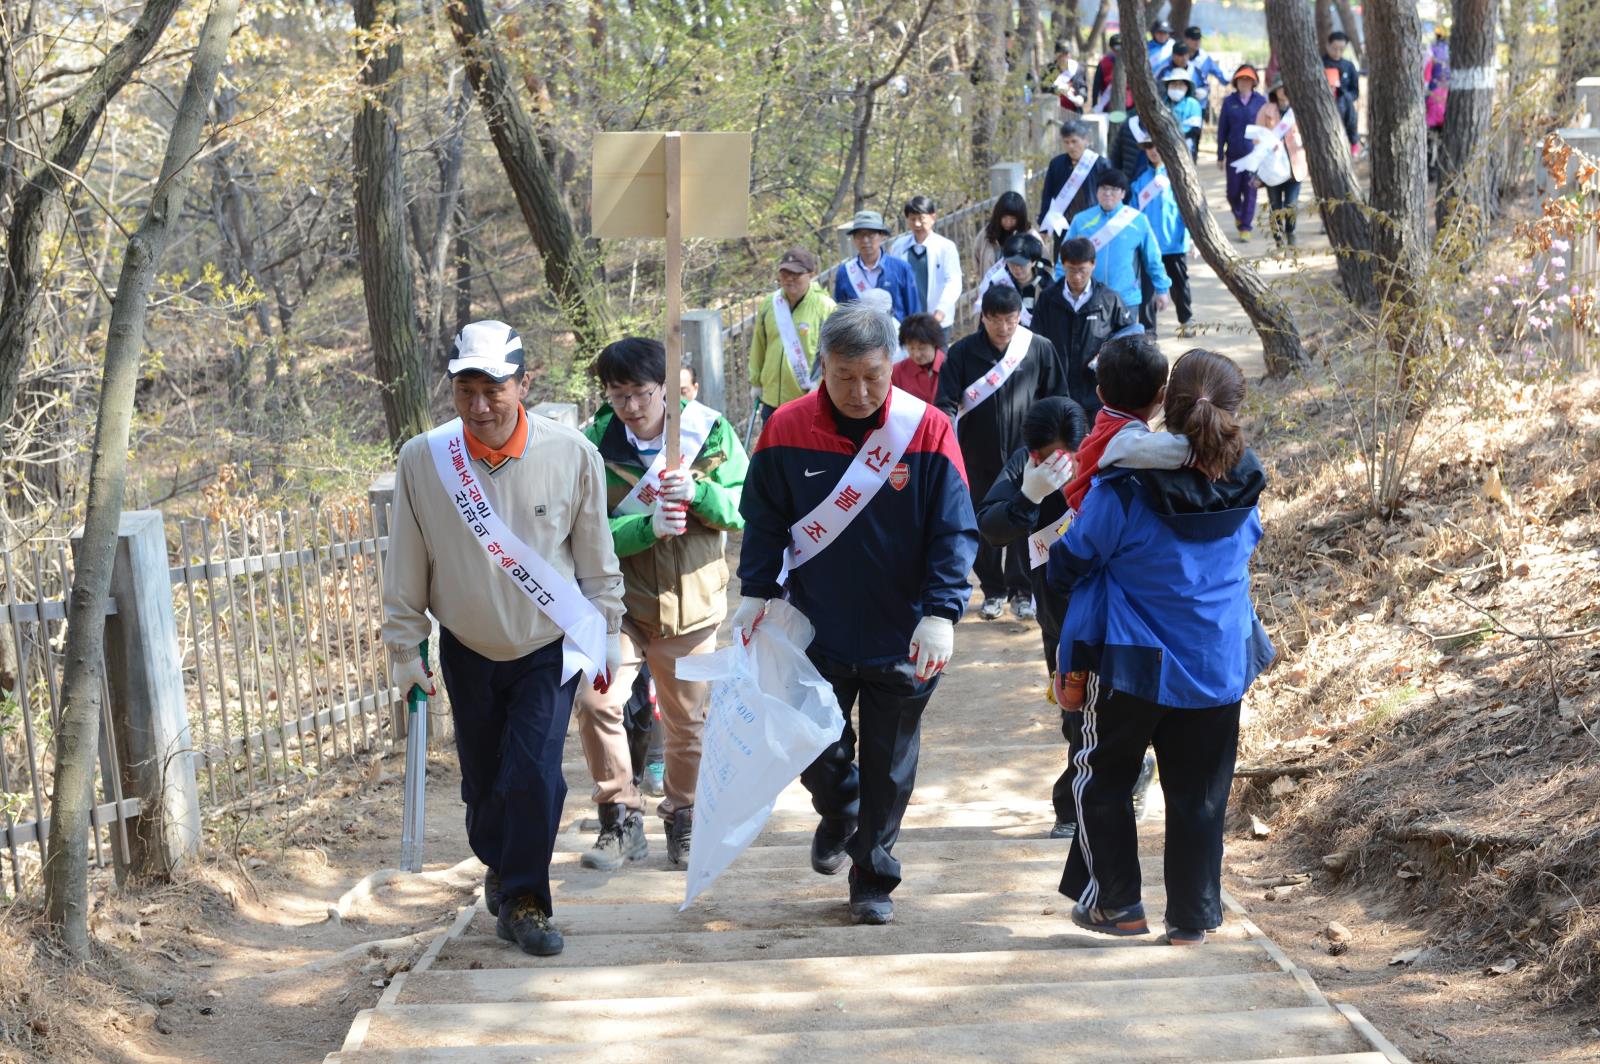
671,186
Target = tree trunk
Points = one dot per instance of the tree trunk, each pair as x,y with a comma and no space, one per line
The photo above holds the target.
1578,34
66,871
989,81
1324,22
543,209
1280,338
21,298
1466,165
1333,178
1064,26
1179,15
1352,28
380,206
1398,139
1028,58
1094,44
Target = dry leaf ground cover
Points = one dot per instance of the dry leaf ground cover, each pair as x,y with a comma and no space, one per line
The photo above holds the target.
1435,712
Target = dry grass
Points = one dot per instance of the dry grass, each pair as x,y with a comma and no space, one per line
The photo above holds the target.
1442,668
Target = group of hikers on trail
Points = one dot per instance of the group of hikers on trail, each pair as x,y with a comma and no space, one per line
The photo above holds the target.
1051,456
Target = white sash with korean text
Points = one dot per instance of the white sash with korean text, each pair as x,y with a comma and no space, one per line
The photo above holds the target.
986,385
694,425
1040,542
857,275
1156,187
1055,217
791,340
583,649
876,462
1114,225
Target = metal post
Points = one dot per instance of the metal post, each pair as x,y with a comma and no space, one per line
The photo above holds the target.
561,413
1099,132
1008,177
148,709
702,349
380,497
1588,94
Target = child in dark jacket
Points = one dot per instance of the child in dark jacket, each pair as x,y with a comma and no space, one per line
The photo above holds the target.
1157,567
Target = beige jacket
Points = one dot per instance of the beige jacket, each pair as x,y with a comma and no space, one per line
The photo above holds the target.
553,497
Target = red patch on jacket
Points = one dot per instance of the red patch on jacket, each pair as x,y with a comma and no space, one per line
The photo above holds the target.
899,476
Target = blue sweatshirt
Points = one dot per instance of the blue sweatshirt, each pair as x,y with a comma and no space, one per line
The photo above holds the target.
896,279
1237,113
1166,221
1114,264
905,557
1157,565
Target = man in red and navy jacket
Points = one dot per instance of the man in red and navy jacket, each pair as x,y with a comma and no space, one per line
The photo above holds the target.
883,585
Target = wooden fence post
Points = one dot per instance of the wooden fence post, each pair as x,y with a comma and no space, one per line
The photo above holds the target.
149,710
702,349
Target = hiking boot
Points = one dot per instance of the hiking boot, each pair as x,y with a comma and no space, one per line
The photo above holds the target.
869,903
523,922
1141,786
1129,921
992,608
1064,829
828,845
621,839
491,891
654,782
1022,606
680,831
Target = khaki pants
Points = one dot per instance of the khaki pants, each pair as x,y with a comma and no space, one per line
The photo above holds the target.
683,716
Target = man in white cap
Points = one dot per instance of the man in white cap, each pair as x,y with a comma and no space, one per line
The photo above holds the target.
871,268
500,531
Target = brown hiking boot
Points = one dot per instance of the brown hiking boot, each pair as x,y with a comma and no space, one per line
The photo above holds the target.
621,839
680,833
523,922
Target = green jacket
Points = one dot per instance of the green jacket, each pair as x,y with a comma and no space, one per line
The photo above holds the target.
678,584
769,363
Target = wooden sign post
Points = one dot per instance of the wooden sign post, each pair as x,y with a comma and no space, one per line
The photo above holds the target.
670,186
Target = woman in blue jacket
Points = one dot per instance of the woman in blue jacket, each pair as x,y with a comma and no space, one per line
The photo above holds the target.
1157,566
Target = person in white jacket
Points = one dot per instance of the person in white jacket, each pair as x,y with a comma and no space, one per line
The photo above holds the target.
934,260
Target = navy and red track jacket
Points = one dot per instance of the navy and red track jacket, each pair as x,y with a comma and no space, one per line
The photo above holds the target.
906,556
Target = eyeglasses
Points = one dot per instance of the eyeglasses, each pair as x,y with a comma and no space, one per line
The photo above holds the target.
619,402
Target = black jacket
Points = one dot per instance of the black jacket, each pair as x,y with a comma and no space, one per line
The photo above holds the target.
993,429
1007,516
1055,178
1077,335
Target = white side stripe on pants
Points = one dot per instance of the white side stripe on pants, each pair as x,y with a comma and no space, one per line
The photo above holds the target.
1080,781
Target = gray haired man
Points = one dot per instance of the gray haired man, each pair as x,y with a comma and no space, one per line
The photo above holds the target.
860,477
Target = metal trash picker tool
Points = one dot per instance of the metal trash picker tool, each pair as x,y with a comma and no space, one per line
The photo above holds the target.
416,773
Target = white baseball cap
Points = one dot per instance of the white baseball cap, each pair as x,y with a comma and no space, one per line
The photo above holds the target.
491,348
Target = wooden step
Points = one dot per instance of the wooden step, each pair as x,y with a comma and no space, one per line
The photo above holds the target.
911,849
827,974
1308,1031
690,1014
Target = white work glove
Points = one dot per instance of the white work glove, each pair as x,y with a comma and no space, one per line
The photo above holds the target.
411,673
669,519
931,645
602,679
1039,479
755,393
677,485
747,616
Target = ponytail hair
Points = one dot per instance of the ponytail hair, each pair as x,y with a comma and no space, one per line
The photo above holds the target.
1204,394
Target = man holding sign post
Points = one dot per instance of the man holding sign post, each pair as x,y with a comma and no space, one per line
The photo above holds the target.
499,530
667,526
856,499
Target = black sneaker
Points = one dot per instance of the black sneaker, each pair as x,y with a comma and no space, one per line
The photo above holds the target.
491,891
828,845
621,839
523,922
1141,786
869,903
1064,829
680,832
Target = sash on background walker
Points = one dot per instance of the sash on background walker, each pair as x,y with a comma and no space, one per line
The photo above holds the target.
1055,216
1156,187
979,390
583,646
694,425
877,461
857,274
1113,225
791,340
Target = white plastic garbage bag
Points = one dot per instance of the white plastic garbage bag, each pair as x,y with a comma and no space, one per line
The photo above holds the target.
771,714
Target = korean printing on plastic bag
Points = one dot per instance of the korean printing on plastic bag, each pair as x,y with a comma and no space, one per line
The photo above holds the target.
771,715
